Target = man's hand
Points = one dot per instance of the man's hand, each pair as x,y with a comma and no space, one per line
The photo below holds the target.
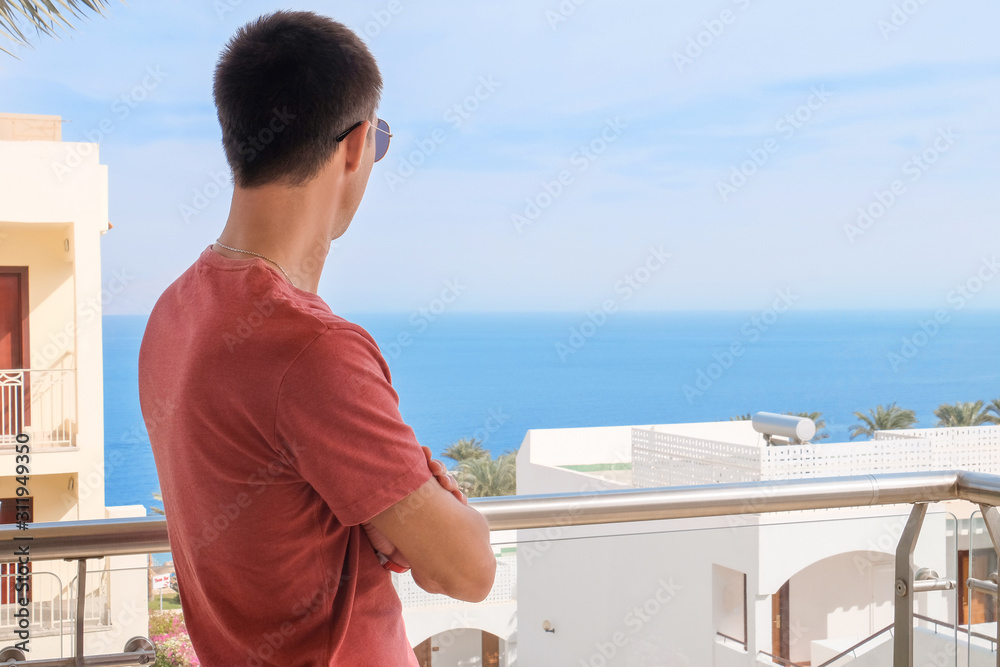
444,478
382,543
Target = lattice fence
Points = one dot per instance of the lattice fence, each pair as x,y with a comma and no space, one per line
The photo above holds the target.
666,459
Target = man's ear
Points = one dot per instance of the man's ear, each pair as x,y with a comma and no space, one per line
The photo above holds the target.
354,145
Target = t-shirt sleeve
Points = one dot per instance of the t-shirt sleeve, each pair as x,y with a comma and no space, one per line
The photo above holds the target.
338,424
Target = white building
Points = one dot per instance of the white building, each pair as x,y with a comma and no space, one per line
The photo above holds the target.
803,586
53,213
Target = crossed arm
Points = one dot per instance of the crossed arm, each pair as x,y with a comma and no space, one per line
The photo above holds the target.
445,542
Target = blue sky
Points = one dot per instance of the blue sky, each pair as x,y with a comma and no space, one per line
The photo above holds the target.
818,107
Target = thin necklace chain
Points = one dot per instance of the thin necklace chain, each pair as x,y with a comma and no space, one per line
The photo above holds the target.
256,254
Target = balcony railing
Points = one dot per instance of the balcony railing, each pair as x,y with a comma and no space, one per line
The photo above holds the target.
670,459
39,402
80,540
48,607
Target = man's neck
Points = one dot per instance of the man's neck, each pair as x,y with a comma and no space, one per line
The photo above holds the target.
290,229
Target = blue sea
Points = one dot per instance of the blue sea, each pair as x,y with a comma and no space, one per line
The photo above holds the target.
494,376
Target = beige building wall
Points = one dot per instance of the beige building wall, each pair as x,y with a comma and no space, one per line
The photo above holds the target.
53,212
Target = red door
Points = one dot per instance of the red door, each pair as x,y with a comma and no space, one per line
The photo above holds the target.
13,342
9,507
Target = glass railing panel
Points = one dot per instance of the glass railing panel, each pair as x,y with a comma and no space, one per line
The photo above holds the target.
42,606
794,588
935,612
790,589
978,562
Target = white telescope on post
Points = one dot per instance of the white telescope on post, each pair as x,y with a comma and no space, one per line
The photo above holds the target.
789,429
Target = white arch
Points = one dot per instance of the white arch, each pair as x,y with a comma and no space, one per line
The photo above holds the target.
786,549
862,560
499,619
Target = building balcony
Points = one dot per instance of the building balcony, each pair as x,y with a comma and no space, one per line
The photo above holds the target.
52,603
40,403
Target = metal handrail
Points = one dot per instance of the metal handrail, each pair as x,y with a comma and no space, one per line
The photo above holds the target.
861,643
783,661
977,635
81,540
732,639
117,537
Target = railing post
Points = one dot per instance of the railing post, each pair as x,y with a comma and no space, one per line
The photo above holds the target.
81,605
902,648
991,517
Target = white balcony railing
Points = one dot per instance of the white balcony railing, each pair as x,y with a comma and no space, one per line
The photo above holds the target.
51,603
81,540
670,459
41,403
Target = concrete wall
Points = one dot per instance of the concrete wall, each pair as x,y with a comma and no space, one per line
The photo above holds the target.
930,649
591,583
832,599
841,571
498,618
543,450
30,127
56,196
53,212
638,599
50,289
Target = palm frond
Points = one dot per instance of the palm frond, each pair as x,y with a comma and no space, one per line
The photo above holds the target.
483,477
44,16
157,510
465,449
994,408
883,418
963,414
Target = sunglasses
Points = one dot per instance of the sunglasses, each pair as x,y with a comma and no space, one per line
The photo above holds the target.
382,136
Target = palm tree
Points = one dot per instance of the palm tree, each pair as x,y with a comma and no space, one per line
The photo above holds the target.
465,449
741,418
963,414
45,16
157,496
994,407
817,418
883,419
485,476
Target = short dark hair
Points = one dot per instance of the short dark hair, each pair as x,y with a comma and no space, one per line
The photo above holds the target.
285,86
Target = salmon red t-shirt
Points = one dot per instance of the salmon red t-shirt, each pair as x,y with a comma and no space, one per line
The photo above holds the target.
276,432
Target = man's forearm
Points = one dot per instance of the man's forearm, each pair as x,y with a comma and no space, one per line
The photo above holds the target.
428,584
470,577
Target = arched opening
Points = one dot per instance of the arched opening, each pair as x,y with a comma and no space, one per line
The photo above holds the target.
832,604
462,647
